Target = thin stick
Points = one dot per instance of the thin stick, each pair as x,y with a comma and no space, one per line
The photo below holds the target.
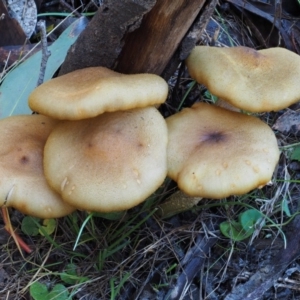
8,227
45,52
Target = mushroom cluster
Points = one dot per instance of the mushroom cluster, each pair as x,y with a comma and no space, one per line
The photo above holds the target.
99,144
109,151
214,152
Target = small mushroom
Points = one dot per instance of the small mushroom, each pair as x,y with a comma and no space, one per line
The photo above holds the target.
89,92
108,163
22,182
215,153
255,81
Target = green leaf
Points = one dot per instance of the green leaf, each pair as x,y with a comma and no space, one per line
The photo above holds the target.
49,226
249,218
59,292
210,96
296,153
38,291
29,226
70,275
234,231
22,80
242,229
285,207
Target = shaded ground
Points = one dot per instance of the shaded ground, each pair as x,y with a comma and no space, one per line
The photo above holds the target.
141,255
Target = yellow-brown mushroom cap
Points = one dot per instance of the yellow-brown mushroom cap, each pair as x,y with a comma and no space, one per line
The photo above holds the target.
108,163
256,81
89,92
22,182
215,153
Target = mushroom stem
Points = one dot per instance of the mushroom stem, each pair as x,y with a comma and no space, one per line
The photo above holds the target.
177,203
8,227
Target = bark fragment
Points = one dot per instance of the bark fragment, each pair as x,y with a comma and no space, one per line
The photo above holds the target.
102,41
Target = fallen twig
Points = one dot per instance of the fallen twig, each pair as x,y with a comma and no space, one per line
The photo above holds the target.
45,52
193,261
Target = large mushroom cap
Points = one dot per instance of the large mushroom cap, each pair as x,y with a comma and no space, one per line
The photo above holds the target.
22,182
256,81
89,92
108,163
215,153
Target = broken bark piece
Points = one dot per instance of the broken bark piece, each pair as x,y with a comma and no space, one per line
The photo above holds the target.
289,123
191,39
10,30
191,265
101,42
133,38
152,45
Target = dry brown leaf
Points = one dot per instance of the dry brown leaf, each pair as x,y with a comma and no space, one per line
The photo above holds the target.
288,123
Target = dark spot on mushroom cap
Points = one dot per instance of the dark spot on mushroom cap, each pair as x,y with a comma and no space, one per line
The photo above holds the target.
24,160
214,137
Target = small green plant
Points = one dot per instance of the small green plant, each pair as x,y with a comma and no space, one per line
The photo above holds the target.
295,155
33,226
243,228
70,275
208,95
115,290
40,291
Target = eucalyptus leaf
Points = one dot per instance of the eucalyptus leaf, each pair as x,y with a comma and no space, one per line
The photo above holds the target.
21,81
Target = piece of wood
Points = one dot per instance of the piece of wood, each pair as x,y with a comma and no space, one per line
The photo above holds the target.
191,264
151,46
11,32
134,37
101,42
191,39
